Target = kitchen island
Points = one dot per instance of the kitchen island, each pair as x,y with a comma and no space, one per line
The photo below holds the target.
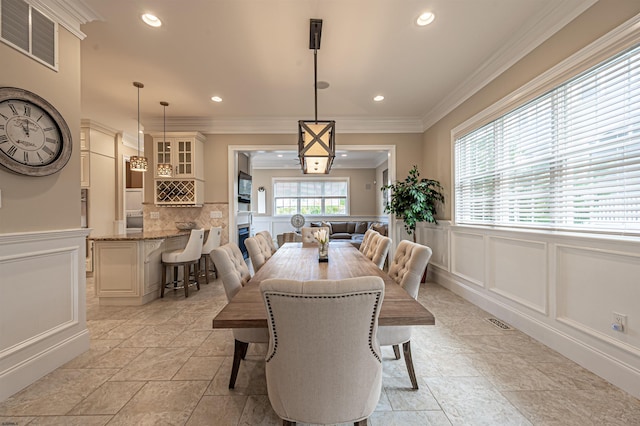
128,267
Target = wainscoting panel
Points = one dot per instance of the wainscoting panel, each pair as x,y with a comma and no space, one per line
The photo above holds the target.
46,273
594,283
518,271
42,304
559,288
468,256
436,238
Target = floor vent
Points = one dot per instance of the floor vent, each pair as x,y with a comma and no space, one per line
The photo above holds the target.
499,324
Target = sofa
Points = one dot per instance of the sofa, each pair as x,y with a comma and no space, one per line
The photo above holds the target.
351,231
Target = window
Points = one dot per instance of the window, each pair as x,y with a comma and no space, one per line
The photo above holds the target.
569,159
311,197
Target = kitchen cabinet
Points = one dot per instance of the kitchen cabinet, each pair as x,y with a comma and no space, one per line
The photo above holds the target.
184,151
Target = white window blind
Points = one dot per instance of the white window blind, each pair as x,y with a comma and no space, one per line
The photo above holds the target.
569,159
311,197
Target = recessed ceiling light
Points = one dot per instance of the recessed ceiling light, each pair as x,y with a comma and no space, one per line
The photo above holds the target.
151,20
343,155
216,99
378,98
279,155
425,19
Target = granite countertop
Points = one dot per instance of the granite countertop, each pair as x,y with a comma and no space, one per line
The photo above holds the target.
144,235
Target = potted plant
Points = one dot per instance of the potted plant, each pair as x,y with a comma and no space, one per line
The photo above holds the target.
414,200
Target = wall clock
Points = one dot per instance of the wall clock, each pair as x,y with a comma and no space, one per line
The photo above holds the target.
34,138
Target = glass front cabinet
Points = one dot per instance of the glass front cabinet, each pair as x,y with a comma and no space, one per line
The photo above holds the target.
184,152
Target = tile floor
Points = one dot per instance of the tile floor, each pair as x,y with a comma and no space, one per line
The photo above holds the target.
162,364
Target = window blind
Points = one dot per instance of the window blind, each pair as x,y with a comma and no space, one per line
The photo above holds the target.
569,159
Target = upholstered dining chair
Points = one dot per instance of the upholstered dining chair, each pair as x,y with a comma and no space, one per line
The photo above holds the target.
259,251
308,231
409,262
323,364
188,257
366,239
378,249
267,236
235,274
213,241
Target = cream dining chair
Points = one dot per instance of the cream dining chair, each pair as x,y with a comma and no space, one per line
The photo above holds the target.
366,239
189,256
409,262
323,364
267,236
234,274
259,251
378,248
309,231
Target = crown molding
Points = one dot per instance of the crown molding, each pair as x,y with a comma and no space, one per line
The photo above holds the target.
279,125
68,13
131,141
95,125
549,21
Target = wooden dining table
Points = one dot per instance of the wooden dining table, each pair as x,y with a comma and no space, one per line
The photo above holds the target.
299,261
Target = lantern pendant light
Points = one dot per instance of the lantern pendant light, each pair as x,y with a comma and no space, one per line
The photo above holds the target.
138,163
164,169
316,139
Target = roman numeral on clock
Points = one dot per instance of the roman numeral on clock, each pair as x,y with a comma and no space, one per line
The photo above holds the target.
47,150
51,140
26,157
13,109
27,110
4,139
12,150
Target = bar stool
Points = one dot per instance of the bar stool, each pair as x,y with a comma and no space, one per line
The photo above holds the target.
185,258
213,241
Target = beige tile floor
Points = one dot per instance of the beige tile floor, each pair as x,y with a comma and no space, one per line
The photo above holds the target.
162,364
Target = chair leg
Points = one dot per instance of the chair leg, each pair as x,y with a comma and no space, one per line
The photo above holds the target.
196,273
396,351
238,350
206,268
186,279
163,282
409,361
362,422
175,278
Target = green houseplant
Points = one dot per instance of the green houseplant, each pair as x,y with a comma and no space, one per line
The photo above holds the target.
414,200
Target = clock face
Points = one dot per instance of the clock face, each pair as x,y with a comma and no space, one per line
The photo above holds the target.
34,138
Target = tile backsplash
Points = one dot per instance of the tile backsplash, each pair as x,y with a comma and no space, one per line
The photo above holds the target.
168,216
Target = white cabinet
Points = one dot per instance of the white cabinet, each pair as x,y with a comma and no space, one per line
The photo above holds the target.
184,151
85,171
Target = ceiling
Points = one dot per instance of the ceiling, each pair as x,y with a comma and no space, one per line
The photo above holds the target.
255,55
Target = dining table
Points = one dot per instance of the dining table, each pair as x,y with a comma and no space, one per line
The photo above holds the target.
299,261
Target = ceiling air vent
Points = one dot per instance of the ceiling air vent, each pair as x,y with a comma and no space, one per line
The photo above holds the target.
28,30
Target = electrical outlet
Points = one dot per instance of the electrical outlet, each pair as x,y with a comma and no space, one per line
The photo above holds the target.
619,322
154,215
215,215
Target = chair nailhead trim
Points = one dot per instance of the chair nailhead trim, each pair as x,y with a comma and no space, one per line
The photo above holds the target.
273,326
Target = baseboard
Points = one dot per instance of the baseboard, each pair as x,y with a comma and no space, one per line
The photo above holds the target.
28,371
603,364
